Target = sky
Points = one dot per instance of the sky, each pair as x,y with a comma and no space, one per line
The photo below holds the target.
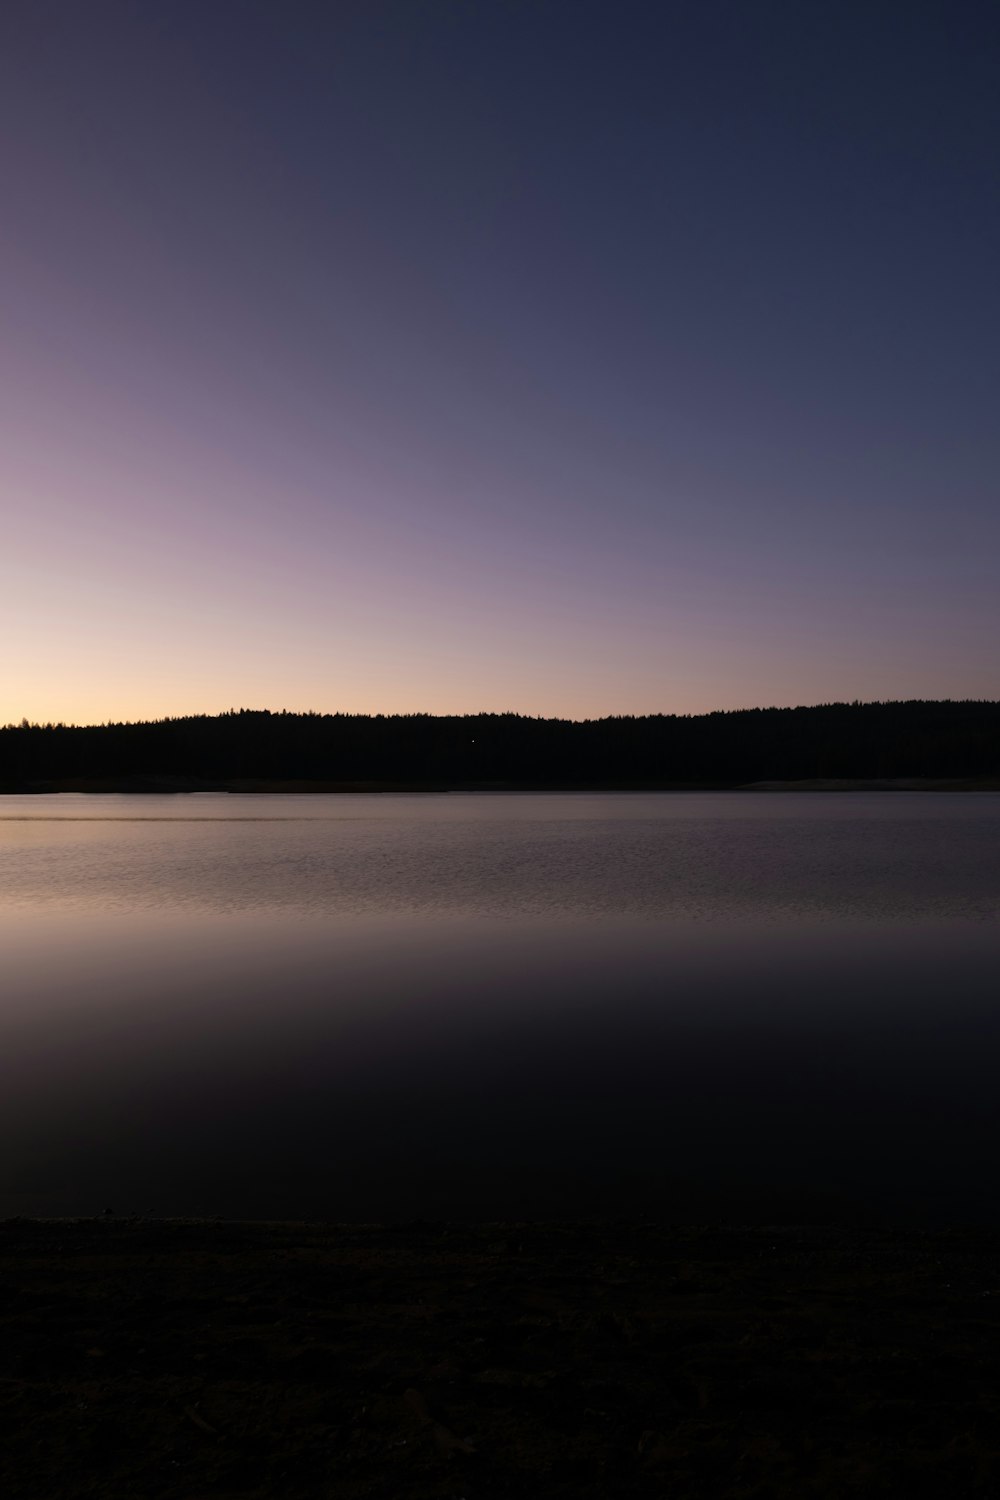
571,357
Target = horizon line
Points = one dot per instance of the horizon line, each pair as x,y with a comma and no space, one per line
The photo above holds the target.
233,712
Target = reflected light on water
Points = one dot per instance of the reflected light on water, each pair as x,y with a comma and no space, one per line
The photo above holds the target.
545,1010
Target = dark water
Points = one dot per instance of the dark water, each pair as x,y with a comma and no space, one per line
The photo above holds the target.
710,1006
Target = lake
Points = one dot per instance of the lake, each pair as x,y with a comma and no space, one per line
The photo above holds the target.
699,1006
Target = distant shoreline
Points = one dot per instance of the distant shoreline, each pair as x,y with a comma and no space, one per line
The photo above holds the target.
178,786
911,746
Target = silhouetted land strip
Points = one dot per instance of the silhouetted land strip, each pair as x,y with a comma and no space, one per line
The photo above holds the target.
925,744
170,1359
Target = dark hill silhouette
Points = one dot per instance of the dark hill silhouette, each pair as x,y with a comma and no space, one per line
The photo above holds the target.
947,740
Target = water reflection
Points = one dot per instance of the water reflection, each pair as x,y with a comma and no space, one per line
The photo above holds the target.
573,1006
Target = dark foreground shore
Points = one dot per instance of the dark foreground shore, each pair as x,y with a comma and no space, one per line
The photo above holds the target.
185,1359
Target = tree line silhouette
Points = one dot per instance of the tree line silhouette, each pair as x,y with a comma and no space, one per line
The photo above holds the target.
914,739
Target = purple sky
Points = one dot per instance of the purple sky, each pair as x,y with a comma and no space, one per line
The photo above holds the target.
567,357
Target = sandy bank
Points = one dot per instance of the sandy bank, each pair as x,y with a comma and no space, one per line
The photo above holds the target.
183,1359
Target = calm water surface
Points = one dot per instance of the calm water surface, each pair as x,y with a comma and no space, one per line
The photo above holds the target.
707,1006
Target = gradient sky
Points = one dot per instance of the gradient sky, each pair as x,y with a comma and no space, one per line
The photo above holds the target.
550,355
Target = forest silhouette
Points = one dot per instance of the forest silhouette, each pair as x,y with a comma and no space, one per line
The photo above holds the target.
245,748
